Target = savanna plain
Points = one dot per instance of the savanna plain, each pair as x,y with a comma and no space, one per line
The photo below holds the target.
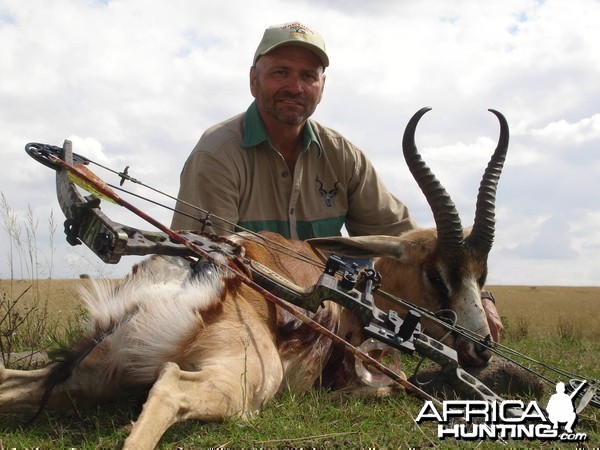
555,326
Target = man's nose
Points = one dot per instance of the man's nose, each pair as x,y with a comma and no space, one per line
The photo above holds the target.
295,84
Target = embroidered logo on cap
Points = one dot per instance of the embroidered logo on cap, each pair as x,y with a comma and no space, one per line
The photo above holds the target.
297,28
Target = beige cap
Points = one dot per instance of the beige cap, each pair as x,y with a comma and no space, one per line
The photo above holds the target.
293,33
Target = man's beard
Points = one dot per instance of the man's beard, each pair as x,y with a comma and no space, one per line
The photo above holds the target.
281,111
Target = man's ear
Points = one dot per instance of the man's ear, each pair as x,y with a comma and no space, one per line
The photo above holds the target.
322,88
253,78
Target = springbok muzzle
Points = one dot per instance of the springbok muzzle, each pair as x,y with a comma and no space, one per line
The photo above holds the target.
471,353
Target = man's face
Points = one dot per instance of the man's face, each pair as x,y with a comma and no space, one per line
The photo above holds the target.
287,84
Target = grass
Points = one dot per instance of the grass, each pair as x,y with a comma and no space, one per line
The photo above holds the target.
544,311
556,325
535,319
312,420
24,323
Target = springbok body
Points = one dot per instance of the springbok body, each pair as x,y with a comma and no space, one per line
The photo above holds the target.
209,347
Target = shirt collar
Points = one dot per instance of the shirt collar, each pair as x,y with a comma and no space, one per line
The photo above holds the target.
255,132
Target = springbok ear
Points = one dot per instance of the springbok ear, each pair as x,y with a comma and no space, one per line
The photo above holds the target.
359,246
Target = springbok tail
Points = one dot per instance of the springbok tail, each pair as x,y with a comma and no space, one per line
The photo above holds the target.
63,367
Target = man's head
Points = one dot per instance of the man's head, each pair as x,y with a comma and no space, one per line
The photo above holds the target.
292,34
287,78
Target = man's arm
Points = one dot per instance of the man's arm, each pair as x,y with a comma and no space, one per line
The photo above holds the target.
495,323
372,209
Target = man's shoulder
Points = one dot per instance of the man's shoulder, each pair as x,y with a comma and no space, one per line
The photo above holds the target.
222,135
333,140
322,130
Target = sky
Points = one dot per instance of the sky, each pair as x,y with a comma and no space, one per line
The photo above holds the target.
136,82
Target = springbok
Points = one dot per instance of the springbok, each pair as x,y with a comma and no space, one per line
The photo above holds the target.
209,347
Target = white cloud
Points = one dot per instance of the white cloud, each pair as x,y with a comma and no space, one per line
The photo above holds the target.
563,133
90,147
137,82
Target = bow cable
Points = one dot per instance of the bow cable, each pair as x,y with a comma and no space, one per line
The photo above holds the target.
496,348
80,175
104,190
47,154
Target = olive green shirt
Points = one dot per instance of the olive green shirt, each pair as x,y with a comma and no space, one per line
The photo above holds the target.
236,174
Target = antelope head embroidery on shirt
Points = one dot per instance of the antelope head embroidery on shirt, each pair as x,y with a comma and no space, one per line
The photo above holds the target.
327,195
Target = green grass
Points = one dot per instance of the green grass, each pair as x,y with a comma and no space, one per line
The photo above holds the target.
538,324
558,326
316,419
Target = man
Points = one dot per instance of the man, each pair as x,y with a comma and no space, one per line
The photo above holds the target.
272,168
560,408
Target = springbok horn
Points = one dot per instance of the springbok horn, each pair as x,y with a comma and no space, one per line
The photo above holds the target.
482,235
447,220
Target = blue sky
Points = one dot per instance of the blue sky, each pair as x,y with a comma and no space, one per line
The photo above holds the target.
137,82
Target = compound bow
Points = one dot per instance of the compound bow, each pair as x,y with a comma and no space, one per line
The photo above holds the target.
341,282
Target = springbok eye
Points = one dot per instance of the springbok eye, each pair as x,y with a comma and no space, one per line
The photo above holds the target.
436,281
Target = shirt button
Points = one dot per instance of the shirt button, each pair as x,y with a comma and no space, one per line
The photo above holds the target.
285,174
292,212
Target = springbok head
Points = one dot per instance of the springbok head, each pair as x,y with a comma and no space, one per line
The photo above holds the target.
443,268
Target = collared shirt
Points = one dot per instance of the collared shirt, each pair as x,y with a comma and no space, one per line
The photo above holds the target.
237,175
255,132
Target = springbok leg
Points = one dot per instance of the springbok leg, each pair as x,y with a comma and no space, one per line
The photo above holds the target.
211,394
21,390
